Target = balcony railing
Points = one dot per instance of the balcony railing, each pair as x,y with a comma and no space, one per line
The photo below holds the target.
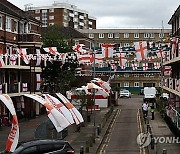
31,37
17,88
172,83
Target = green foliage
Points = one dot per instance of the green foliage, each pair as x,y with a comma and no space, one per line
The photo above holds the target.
58,77
53,37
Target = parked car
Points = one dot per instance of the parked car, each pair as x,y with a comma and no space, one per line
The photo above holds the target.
125,93
48,146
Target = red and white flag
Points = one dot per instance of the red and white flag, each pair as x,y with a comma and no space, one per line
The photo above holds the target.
60,107
58,120
170,83
74,112
38,81
1,61
145,66
23,55
174,43
79,49
107,50
177,82
156,65
24,87
51,50
141,50
167,71
134,66
122,60
13,137
159,53
0,88
13,59
38,54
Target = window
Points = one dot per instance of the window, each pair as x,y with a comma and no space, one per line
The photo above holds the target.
51,10
0,22
161,35
136,75
136,35
126,35
21,27
126,44
116,35
15,26
8,23
110,35
126,84
148,35
101,35
136,84
126,74
37,11
91,35
146,75
44,11
50,24
51,17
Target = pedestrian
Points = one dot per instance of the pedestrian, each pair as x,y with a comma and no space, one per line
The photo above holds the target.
145,109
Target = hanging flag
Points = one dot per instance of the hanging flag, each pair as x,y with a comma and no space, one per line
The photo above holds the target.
23,55
145,66
58,120
51,50
174,44
166,56
74,112
78,48
170,83
107,50
1,61
38,54
156,65
60,107
122,60
0,88
159,53
13,137
24,87
177,85
134,66
87,58
167,71
141,50
13,59
38,81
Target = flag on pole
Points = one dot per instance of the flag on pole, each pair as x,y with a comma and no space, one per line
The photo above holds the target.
107,50
141,50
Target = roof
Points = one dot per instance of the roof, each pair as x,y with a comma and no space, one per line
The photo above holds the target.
127,30
14,11
177,12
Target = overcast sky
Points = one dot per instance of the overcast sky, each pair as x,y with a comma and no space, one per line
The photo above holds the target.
120,13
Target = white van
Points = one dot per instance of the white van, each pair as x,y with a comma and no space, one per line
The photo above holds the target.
149,94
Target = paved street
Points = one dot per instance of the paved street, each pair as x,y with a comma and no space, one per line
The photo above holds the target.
122,136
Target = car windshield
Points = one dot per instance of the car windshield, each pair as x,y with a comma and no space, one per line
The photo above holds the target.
125,91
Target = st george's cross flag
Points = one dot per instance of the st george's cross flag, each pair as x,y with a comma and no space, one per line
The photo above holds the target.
141,50
23,54
107,50
1,61
134,66
51,50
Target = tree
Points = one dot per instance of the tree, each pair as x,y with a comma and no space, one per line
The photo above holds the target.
58,76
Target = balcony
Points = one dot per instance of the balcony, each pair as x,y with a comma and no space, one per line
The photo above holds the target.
17,89
30,37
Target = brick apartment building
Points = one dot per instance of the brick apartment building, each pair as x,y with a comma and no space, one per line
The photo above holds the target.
62,14
18,30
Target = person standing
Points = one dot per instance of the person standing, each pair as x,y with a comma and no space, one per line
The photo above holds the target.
145,109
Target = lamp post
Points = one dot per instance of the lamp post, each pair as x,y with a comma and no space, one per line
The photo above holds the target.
94,75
